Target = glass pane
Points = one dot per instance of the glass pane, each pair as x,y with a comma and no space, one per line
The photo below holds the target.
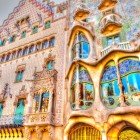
44,102
109,41
84,50
117,39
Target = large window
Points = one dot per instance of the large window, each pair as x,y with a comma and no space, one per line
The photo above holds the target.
19,112
81,47
109,85
41,102
130,76
81,82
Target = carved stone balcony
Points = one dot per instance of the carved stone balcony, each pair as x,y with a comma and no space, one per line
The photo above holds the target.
11,120
121,46
110,23
39,119
81,11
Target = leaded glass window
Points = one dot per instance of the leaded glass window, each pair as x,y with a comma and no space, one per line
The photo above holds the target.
36,102
86,89
81,47
109,86
1,109
45,102
19,112
130,76
41,102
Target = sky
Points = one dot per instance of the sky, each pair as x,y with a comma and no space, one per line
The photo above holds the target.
7,6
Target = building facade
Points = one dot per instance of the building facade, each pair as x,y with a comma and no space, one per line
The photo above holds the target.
70,71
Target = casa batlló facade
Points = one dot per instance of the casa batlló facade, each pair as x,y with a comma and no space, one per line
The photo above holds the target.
70,71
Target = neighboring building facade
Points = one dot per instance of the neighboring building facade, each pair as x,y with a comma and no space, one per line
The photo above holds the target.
70,71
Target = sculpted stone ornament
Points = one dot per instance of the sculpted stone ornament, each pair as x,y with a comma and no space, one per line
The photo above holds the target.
39,132
22,95
6,92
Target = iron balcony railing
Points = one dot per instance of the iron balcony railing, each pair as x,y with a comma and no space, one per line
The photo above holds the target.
12,120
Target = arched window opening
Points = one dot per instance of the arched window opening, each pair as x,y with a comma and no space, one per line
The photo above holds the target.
129,134
81,47
130,76
109,86
83,86
19,112
83,131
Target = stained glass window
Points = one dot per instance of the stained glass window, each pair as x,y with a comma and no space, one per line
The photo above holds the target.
44,102
36,102
130,76
19,112
109,86
80,46
1,109
86,89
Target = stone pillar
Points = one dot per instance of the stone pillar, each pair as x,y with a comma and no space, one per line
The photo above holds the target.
77,47
29,101
50,102
77,89
122,96
27,133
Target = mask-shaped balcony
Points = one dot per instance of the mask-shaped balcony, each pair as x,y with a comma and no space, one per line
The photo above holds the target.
81,12
111,24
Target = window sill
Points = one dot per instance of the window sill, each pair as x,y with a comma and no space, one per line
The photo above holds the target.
18,81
